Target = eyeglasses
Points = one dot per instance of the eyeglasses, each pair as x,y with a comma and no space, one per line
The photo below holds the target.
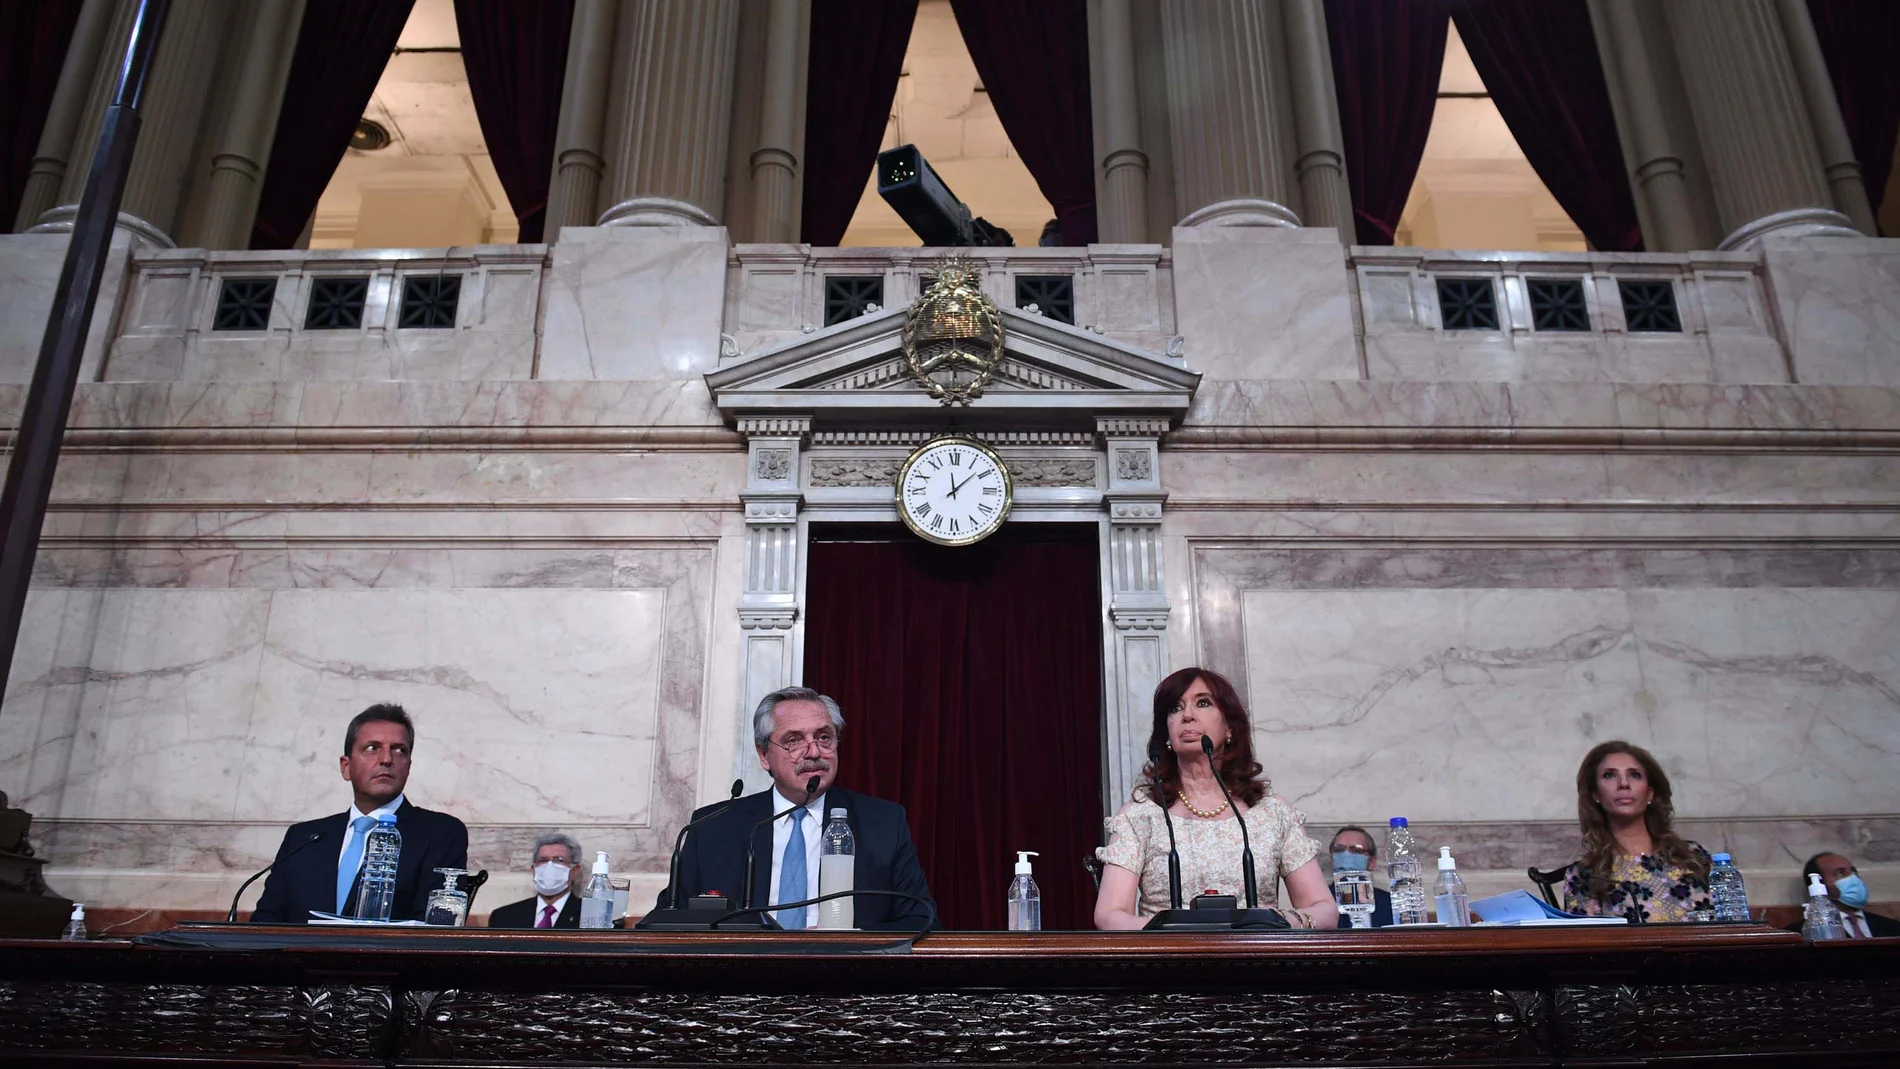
1347,848
824,740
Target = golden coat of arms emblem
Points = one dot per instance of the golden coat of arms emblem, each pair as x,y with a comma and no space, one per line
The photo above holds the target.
953,335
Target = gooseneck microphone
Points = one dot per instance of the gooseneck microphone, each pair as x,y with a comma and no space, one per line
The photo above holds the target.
1174,858
751,843
679,844
1246,846
231,917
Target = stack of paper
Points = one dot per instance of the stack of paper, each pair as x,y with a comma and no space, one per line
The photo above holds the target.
1520,908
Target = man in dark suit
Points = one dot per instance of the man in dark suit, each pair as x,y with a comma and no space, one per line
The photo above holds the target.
796,731
1353,848
557,872
1849,892
319,866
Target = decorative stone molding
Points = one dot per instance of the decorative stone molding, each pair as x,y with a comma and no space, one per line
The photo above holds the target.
1148,619
773,465
1135,511
1113,427
1044,472
765,619
1133,465
1244,211
855,471
775,426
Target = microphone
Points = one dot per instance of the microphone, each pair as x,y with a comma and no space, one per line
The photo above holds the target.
231,917
751,854
1246,846
1174,859
679,844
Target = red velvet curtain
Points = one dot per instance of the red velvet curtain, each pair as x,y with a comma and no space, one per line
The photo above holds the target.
1539,62
971,685
516,55
1386,59
34,36
1034,61
1861,41
342,49
857,52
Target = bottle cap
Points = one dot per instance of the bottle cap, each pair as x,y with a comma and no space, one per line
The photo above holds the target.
1816,889
1398,822
600,863
1719,858
79,911
839,814
385,818
1446,863
1022,861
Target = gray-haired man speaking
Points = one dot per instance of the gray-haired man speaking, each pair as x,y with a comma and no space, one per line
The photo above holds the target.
797,732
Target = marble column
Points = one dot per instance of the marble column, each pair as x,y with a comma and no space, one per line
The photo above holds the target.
1321,166
770,653
1838,162
1746,99
1230,145
669,112
574,192
1653,148
1122,216
57,148
775,161
1138,601
250,126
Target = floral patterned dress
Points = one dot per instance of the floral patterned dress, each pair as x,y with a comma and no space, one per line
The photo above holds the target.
1644,889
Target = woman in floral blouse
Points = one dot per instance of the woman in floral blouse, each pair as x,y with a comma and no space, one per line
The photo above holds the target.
1634,865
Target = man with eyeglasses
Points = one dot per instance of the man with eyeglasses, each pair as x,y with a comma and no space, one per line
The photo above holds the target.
797,732
1354,849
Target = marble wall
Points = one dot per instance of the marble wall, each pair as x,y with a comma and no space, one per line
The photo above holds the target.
1439,563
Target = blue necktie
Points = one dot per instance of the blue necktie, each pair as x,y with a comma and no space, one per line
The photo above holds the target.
352,859
791,874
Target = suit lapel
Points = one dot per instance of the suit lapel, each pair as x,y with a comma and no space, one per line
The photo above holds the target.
761,848
570,914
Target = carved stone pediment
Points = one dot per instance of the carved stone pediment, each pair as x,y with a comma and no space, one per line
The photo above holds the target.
1052,375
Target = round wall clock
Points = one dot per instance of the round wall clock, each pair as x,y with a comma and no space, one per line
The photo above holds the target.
954,491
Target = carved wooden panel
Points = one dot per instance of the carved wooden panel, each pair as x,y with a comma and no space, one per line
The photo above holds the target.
330,1022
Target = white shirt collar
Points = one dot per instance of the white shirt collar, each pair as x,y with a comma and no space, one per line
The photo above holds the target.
559,904
393,805
780,804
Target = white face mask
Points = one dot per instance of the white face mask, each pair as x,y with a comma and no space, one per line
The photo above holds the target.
550,878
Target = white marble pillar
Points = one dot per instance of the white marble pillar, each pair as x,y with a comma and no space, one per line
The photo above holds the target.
1752,121
1838,162
1321,166
775,161
574,191
244,140
1122,216
1231,148
770,653
1137,639
670,112
57,149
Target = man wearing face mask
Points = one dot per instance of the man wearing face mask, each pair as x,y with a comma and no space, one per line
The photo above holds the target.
1354,851
557,871
1846,888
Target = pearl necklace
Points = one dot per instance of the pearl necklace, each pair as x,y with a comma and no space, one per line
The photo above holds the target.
1204,814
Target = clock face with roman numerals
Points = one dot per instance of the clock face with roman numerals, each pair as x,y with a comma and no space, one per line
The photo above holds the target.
953,491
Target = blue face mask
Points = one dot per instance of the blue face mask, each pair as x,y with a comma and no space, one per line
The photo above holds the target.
1852,891
1347,861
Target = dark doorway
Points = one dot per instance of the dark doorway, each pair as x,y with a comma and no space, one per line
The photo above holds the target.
971,681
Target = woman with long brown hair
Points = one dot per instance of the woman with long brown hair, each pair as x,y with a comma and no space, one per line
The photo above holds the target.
1191,704
1634,864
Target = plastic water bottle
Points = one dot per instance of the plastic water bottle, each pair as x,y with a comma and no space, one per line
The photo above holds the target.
1453,910
1352,889
1405,874
1727,891
76,928
837,871
1822,920
1025,898
597,903
382,849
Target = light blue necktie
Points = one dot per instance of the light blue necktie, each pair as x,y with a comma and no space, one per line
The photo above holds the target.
352,859
791,874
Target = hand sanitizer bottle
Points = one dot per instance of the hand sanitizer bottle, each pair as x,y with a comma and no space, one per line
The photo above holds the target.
1450,892
1025,899
597,909
76,927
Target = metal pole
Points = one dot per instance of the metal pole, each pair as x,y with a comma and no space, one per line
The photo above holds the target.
49,399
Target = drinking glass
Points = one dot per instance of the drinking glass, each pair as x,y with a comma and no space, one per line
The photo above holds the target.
448,904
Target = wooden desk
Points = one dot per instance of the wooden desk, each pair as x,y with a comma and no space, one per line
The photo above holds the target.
1524,997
